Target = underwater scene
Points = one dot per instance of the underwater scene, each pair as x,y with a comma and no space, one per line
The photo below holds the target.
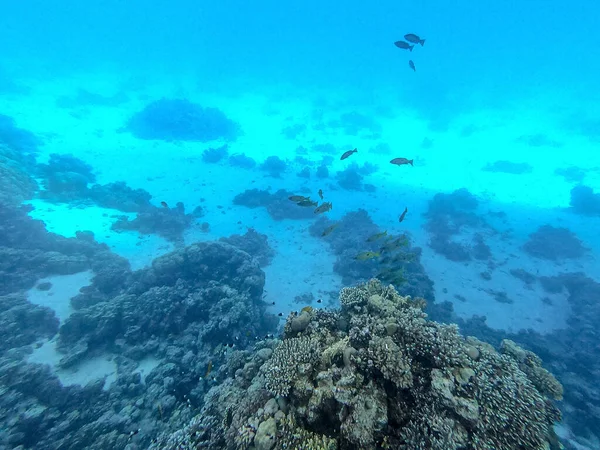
299,225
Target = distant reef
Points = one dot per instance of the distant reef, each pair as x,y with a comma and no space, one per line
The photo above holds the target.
181,120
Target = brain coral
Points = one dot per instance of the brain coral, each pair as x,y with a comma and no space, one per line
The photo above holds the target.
378,374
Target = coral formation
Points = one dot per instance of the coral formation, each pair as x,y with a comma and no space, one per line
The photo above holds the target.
554,243
378,374
181,120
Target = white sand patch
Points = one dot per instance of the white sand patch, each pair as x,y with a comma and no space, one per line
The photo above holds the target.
145,366
88,370
63,289
66,220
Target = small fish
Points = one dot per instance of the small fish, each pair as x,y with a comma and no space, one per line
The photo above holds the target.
402,161
410,37
347,154
164,204
402,241
319,301
411,64
280,314
363,256
329,229
208,369
377,236
326,206
403,215
321,194
307,202
298,198
404,45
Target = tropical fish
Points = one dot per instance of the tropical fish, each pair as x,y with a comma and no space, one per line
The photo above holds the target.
164,204
321,194
400,242
307,202
377,236
403,215
363,256
402,161
410,37
209,368
307,309
326,206
411,64
298,198
348,153
404,45
329,229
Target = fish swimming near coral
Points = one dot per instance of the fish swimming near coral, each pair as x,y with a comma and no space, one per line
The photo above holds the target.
307,202
298,198
164,204
364,256
404,45
402,161
403,215
413,38
348,153
321,194
377,236
326,206
329,229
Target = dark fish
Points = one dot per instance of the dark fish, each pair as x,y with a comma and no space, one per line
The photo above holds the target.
164,204
326,206
307,202
298,198
402,161
348,153
319,301
411,64
403,215
414,39
404,45
321,193
280,314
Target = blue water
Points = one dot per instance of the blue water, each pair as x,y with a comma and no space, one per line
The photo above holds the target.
502,102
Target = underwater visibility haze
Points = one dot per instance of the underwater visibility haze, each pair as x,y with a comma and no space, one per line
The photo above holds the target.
299,225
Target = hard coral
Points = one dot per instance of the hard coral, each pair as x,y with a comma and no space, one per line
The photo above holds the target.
181,120
378,374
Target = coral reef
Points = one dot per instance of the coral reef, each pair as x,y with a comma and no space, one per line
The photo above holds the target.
378,374
181,120
16,185
554,243
243,161
585,201
278,204
214,155
274,166
253,243
508,167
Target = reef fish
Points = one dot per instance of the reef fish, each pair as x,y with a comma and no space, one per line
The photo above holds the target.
363,256
402,161
164,204
326,206
329,229
321,193
348,153
404,45
298,198
307,202
403,215
377,236
411,64
410,37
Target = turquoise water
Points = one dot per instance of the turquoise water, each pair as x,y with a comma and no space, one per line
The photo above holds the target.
503,101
